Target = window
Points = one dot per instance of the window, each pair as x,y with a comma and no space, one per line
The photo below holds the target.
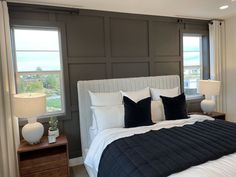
192,60
38,65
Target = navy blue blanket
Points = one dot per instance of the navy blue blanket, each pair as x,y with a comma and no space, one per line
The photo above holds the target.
167,151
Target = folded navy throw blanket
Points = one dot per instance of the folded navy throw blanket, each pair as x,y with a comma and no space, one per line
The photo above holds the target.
166,151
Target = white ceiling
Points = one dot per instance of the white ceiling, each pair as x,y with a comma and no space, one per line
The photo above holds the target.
203,9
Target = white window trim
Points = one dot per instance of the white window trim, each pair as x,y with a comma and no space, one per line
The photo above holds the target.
16,73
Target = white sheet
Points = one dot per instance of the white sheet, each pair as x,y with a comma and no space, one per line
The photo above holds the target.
225,166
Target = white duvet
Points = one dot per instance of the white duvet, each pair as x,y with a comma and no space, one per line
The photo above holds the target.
223,167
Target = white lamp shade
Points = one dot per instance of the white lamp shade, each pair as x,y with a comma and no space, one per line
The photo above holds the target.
209,87
29,105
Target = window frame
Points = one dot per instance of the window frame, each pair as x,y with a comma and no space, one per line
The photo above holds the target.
201,61
205,57
60,72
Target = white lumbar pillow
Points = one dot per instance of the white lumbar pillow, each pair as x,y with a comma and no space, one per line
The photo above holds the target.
136,96
157,111
105,98
156,93
109,117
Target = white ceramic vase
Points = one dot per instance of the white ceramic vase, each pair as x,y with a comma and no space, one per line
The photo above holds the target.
33,131
208,106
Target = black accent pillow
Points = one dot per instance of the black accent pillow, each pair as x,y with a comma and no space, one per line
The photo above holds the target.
137,114
175,108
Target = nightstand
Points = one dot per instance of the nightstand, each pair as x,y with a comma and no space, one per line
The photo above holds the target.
216,115
44,159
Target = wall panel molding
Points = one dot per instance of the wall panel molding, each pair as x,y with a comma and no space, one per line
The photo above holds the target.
85,36
78,60
129,37
167,68
167,58
128,69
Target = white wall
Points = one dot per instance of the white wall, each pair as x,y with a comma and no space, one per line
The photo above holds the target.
231,68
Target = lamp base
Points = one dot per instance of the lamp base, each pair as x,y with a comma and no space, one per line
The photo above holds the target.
208,106
33,132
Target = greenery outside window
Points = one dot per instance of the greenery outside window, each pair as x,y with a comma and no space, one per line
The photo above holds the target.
192,61
38,65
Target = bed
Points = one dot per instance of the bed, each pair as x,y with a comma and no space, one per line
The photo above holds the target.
92,151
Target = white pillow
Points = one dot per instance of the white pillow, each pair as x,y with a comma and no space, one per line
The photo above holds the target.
157,111
109,117
156,93
136,96
105,98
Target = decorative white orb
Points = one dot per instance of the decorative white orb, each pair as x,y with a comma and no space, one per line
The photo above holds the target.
33,132
208,106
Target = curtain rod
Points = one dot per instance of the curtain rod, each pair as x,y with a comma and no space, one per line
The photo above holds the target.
211,22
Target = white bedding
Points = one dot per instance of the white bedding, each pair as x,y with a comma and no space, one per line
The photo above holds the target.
225,166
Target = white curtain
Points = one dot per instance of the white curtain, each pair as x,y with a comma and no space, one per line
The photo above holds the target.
9,138
218,60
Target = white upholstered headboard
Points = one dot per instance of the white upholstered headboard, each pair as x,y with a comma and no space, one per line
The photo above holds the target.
113,85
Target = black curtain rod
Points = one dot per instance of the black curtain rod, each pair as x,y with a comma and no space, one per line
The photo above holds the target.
211,22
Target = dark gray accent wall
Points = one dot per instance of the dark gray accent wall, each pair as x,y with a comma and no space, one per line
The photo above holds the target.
100,45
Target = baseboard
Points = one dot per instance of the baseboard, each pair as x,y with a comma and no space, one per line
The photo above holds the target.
76,161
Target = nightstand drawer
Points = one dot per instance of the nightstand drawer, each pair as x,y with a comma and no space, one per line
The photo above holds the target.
37,164
56,172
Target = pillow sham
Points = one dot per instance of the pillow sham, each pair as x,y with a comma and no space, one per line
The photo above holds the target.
105,98
175,108
157,111
108,117
137,95
137,114
156,93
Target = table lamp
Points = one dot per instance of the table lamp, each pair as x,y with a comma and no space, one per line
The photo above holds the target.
30,106
209,88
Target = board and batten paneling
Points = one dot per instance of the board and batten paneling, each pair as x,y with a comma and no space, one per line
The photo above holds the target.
166,38
167,68
132,69
129,38
100,45
85,36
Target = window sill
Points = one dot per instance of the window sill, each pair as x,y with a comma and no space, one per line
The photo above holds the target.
43,119
194,98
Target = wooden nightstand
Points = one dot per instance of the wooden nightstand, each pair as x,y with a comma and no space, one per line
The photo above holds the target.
216,115
44,159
